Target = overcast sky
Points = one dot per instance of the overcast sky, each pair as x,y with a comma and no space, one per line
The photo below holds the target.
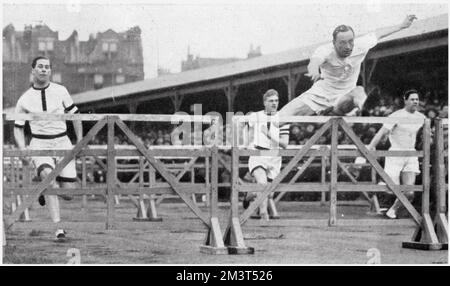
214,29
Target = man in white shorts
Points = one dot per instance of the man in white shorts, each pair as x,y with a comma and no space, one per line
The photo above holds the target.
265,135
334,69
402,137
48,97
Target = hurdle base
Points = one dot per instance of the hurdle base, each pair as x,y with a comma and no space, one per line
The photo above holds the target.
140,219
259,217
423,246
207,249
240,250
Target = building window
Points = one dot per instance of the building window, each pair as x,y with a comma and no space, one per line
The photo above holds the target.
113,47
42,46
50,46
105,47
56,77
45,45
109,47
98,79
120,78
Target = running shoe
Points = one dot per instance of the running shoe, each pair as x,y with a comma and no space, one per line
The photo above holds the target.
41,200
60,235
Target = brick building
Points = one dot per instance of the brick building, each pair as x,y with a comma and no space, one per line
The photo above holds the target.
107,59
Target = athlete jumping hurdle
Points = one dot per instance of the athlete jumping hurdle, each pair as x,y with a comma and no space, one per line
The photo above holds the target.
334,68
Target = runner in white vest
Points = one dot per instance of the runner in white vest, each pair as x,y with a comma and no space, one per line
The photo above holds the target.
263,127
48,97
402,137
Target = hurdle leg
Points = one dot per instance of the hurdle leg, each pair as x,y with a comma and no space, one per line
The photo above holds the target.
205,199
13,207
214,242
152,213
375,205
84,202
25,216
440,219
441,226
116,200
323,174
424,236
272,209
83,182
233,238
332,221
141,211
4,234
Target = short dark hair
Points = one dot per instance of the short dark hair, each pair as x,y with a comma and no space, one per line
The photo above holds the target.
341,28
407,93
33,63
270,92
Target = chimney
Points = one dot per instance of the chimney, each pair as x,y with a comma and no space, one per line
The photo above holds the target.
27,36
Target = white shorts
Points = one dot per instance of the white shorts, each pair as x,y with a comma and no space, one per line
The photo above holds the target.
316,103
69,173
319,103
271,165
393,166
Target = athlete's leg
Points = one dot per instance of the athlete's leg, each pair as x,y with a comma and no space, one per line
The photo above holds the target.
261,179
346,103
294,107
52,201
68,178
298,107
393,167
408,178
409,172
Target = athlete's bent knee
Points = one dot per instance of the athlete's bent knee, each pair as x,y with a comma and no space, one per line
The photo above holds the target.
45,172
409,195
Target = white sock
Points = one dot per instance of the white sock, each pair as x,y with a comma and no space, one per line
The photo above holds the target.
391,213
53,207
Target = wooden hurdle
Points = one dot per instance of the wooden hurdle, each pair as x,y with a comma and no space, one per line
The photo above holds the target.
440,185
439,222
17,174
233,235
213,243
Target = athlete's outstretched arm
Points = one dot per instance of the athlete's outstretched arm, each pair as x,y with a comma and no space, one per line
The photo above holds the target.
404,25
376,139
